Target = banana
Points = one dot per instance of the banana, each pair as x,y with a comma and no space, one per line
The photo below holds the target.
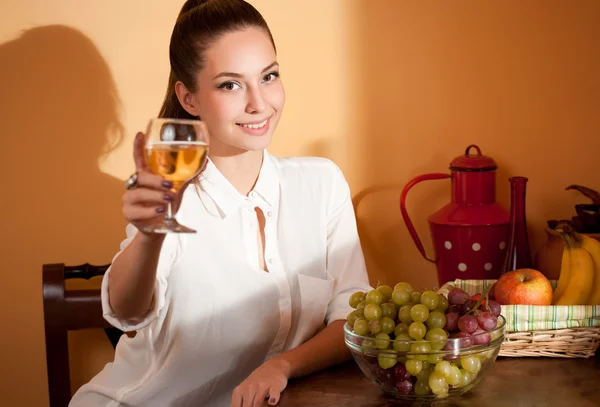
581,278
565,274
593,247
580,270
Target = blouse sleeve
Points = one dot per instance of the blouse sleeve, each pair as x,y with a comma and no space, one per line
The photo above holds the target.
166,260
345,260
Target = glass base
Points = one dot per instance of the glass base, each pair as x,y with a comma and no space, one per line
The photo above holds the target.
167,226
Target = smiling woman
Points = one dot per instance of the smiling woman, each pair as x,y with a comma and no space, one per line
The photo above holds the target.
225,316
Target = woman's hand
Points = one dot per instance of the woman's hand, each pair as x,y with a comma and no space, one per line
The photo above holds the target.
146,203
268,380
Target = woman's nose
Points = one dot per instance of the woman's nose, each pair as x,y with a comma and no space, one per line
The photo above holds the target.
256,101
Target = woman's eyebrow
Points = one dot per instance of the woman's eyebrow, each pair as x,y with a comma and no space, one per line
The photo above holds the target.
237,75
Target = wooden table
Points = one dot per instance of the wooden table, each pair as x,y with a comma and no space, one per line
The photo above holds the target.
512,382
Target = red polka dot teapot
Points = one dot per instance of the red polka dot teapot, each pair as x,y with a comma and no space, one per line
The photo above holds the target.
470,233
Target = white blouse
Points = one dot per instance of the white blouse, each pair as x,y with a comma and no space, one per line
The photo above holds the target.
216,316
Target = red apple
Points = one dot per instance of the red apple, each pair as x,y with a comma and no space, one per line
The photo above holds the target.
523,286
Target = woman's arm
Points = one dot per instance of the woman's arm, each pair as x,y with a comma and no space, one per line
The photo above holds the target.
132,277
325,349
345,262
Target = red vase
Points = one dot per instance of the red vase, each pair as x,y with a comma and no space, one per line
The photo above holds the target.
518,253
469,233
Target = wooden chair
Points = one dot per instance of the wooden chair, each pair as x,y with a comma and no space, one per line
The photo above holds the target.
68,311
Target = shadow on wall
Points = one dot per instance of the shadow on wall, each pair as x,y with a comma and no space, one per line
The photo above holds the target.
60,115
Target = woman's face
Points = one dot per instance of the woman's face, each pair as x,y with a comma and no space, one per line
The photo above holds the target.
240,95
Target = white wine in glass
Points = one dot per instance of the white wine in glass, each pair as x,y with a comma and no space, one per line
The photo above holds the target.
176,149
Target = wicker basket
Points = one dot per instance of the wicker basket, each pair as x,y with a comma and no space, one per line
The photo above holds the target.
554,343
536,331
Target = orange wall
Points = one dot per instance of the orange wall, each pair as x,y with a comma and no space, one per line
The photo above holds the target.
387,89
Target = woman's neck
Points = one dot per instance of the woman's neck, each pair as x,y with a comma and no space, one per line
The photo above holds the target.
241,170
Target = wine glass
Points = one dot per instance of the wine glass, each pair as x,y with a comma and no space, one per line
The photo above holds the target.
176,149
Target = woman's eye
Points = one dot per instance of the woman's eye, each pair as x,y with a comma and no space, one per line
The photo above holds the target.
229,86
270,77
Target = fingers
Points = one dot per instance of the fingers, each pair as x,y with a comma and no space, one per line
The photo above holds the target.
136,214
236,398
274,395
147,197
254,395
148,180
143,203
139,155
148,200
251,396
261,395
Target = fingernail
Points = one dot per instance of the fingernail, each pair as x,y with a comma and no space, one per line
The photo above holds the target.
160,209
168,197
272,402
167,184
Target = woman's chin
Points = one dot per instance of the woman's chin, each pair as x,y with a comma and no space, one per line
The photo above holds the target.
257,143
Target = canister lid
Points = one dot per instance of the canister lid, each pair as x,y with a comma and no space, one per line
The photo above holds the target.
473,162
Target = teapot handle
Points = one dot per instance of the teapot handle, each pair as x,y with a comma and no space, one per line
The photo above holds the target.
407,221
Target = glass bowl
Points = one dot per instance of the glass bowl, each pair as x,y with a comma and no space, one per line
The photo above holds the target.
414,370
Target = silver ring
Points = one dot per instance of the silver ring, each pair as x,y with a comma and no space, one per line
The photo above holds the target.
131,181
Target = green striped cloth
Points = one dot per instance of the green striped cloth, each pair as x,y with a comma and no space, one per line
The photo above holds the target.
533,317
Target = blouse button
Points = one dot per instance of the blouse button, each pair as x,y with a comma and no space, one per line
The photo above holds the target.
269,214
253,194
270,260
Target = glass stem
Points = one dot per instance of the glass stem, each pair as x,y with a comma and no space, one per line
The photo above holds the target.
169,214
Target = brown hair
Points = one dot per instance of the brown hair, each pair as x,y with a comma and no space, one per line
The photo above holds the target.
199,24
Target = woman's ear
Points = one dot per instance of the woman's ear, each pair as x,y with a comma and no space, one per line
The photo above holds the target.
186,99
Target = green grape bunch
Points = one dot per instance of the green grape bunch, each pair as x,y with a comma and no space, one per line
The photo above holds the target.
407,329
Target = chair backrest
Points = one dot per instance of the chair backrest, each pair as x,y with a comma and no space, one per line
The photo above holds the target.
68,310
